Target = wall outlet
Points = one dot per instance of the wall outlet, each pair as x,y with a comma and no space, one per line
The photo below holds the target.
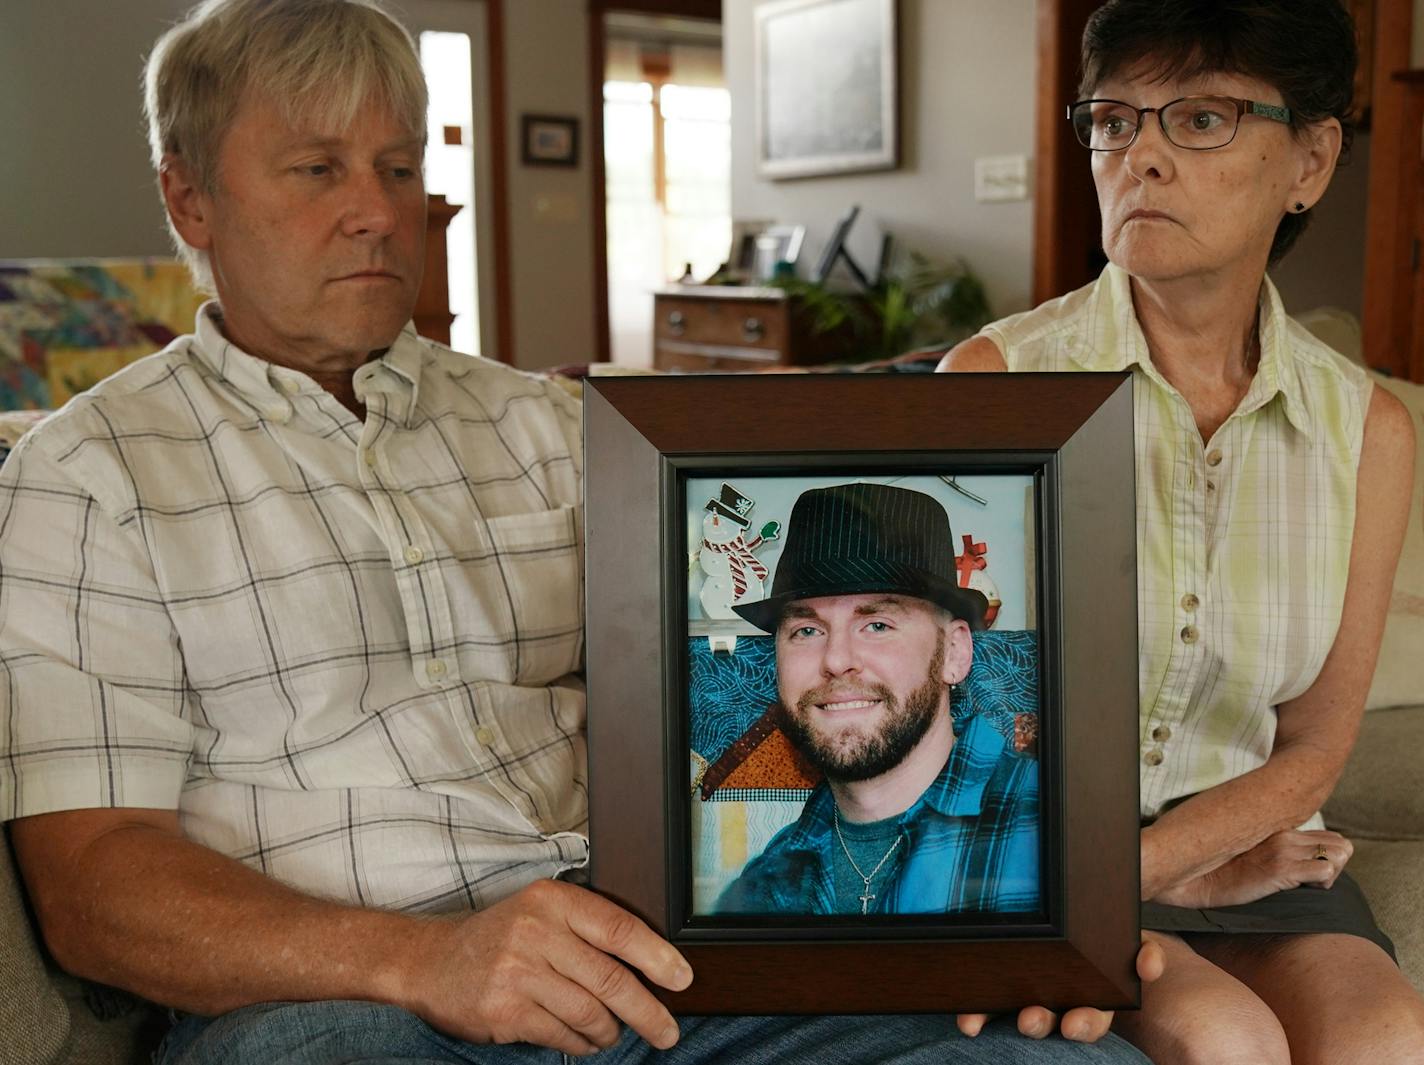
998,178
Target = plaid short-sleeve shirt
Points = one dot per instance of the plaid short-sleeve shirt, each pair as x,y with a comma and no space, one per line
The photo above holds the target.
1243,541
345,652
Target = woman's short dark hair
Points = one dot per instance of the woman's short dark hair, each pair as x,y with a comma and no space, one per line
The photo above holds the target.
1304,48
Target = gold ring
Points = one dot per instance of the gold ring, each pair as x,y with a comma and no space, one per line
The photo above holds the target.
1321,854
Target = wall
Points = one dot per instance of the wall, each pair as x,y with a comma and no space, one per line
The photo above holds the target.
967,87
82,185
550,208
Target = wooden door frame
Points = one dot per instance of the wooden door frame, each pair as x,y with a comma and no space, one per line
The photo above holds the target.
705,9
1065,230
1389,243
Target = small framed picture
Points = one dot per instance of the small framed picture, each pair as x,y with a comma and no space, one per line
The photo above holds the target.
550,140
862,686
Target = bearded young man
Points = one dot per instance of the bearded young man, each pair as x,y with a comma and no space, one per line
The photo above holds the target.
291,731
871,631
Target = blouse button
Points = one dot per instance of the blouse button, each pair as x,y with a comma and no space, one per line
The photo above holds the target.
1190,602
413,554
435,669
1153,757
1189,634
1161,734
1213,457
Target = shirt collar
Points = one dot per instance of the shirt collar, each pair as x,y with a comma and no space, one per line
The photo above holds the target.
958,791
268,387
1115,342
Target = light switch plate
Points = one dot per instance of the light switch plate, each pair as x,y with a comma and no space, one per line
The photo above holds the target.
999,178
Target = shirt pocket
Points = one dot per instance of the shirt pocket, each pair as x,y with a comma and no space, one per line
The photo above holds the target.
536,570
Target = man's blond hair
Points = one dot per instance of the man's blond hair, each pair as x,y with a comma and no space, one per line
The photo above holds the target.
319,62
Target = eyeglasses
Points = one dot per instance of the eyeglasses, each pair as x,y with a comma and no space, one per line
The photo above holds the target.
1195,122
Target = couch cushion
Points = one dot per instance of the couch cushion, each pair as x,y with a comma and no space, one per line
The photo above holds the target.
1381,793
33,1015
1392,876
1399,676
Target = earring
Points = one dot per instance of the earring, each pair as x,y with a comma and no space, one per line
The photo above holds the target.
1299,207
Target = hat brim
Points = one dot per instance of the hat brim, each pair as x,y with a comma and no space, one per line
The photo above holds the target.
966,604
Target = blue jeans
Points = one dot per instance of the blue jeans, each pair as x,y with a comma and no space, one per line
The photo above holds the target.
344,1033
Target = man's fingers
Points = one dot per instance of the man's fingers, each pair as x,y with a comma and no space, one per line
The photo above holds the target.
542,1028
615,986
1085,1024
615,931
576,1007
1036,1022
1151,958
971,1024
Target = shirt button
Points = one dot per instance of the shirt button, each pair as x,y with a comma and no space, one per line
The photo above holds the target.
1189,634
484,735
1211,486
1213,457
1161,734
289,386
370,458
1190,602
434,669
413,554
277,414
1153,757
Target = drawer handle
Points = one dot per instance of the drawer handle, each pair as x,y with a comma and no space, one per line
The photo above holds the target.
752,329
677,323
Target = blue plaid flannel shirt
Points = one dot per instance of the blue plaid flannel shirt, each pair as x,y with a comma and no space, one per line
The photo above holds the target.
972,843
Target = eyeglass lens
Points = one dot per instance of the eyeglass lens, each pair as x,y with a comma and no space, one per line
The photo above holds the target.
1196,122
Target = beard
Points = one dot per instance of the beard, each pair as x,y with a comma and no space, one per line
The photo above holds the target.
849,756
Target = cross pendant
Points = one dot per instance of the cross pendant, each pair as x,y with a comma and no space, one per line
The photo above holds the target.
866,900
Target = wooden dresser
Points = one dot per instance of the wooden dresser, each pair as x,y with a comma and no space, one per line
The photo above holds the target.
733,329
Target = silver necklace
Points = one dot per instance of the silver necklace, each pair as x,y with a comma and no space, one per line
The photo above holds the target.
867,897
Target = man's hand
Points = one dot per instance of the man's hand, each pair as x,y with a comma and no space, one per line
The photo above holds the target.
544,967
1279,862
1084,1024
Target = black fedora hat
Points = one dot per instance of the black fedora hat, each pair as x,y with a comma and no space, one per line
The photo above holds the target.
852,539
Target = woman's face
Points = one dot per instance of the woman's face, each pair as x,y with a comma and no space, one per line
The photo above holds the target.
1171,212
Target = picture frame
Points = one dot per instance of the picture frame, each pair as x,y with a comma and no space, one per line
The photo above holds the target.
549,140
646,439
776,244
815,116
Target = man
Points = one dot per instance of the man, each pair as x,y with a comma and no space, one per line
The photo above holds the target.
872,630
290,623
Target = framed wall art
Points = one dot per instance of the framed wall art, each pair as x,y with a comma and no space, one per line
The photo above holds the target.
549,140
826,87
862,686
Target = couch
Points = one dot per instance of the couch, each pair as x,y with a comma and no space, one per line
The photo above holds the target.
48,1016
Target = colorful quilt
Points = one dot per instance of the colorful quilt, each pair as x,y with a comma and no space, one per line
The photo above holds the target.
65,325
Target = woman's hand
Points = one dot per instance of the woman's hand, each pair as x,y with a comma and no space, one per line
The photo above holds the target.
1281,861
1084,1024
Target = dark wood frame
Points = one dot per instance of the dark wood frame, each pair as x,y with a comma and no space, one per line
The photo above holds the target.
821,166
529,157
1074,432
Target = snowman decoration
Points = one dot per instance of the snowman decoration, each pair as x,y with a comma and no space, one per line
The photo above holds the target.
733,574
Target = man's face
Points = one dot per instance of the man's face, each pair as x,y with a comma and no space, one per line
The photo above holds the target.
862,677
316,236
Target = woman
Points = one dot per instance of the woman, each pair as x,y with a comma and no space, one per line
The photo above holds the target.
1273,485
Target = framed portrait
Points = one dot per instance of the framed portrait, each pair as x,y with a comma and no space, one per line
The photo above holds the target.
549,140
826,87
862,686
